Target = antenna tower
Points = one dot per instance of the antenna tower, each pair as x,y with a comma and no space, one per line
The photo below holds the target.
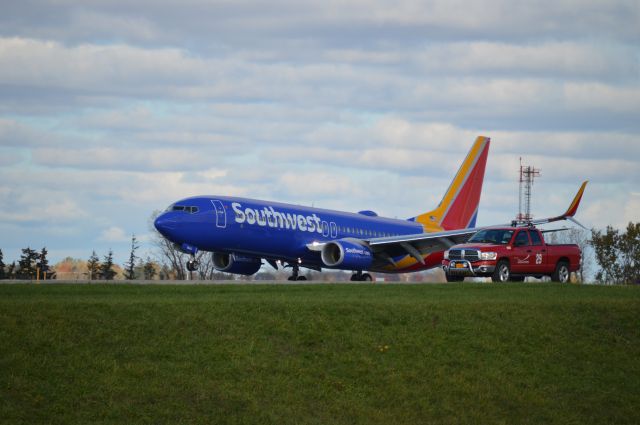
527,174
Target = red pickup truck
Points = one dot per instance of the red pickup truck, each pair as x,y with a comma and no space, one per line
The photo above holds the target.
510,254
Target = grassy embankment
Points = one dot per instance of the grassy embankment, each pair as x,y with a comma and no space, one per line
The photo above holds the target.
467,353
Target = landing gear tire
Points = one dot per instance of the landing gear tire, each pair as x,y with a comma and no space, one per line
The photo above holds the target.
562,273
361,277
192,265
451,278
502,272
294,273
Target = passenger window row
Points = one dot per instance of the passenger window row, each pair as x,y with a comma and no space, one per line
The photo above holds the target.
364,232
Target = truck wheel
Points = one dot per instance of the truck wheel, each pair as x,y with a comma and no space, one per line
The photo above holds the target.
502,272
451,278
562,273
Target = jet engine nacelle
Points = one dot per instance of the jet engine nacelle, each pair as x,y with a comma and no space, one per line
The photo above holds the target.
346,255
234,263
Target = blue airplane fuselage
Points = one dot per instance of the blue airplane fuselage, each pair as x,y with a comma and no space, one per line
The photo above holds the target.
242,232
269,230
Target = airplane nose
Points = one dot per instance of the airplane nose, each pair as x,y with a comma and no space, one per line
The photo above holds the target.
164,225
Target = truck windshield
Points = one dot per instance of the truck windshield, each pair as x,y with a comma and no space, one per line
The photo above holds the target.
495,236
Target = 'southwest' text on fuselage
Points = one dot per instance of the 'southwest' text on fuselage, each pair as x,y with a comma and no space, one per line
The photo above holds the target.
268,216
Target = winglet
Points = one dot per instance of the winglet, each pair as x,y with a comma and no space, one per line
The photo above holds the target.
571,211
573,208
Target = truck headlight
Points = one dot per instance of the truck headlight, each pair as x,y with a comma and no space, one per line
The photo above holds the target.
446,255
488,255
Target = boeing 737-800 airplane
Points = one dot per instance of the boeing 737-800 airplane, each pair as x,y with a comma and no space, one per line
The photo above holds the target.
241,232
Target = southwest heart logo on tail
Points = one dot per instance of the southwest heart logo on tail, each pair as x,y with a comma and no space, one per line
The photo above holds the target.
459,206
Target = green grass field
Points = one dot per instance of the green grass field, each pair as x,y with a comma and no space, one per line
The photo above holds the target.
279,354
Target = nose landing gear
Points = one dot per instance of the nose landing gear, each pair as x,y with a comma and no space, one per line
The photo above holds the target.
193,264
294,273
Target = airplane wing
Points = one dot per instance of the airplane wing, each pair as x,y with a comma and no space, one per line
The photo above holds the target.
420,245
570,213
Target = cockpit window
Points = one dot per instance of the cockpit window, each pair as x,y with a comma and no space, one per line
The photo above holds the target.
189,209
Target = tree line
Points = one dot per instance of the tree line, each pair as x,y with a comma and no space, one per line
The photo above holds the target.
34,264
616,252
30,264
134,268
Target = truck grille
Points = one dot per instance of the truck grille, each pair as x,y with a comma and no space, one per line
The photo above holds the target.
464,254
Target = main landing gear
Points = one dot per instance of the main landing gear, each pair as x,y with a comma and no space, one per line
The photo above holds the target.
361,277
294,273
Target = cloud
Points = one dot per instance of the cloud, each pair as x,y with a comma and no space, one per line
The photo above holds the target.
38,208
100,68
13,133
8,158
549,59
314,185
114,234
609,205
467,81
219,24
631,210
117,159
111,110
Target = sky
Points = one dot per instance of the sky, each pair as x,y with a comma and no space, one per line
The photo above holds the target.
111,110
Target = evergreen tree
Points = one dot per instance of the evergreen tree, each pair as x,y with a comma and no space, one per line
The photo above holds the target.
106,268
93,266
149,269
43,262
2,273
27,263
129,271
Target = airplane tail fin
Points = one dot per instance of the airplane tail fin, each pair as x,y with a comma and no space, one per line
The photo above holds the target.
459,206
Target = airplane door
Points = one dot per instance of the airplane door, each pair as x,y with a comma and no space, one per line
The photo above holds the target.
221,215
334,230
325,229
